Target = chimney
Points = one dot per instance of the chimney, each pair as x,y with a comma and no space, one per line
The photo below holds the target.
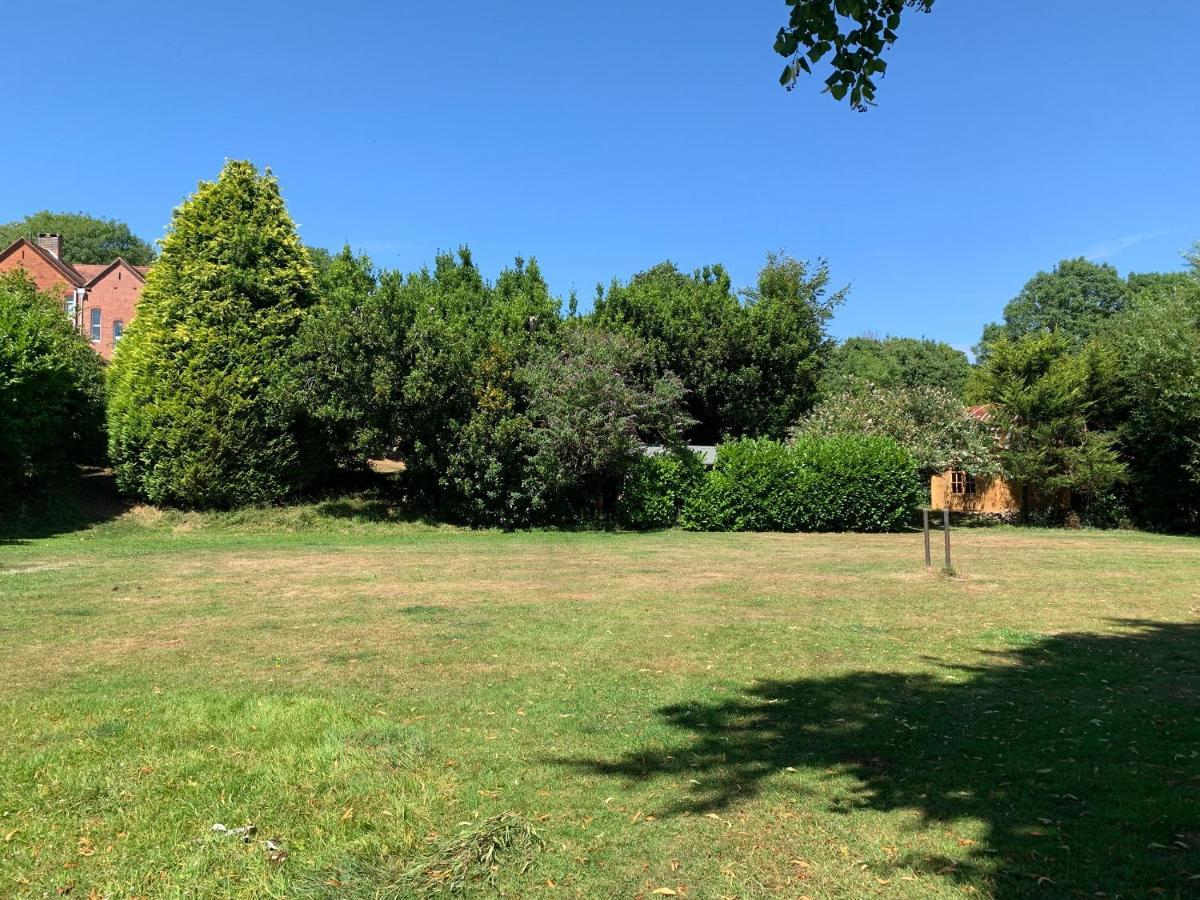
51,243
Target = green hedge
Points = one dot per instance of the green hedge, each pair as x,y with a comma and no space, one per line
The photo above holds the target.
815,484
656,488
51,391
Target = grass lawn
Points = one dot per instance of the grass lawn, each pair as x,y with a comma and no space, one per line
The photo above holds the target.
405,710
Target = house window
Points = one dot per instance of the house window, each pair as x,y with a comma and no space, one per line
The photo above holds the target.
118,329
95,330
962,483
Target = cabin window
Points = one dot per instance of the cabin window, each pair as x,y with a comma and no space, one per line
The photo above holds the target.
95,326
118,329
962,483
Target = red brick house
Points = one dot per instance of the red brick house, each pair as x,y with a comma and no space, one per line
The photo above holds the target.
101,299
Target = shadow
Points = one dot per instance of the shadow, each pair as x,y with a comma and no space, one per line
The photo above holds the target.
1080,754
371,509
75,505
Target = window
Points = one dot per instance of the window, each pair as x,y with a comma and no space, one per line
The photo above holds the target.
118,329
95,335
962,483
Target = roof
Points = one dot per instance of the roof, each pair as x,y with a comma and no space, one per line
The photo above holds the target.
80,274
89,270
706,452
982,413
95,273
67,270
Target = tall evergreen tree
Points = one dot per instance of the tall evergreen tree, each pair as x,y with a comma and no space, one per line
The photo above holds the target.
200,411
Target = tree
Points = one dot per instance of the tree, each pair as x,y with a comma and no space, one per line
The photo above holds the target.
51,390
1071,301
931,423
749,368
86,239
339,355
595,398
787,316
856,31
1041,397
201,411
320,258
1157,344
894,363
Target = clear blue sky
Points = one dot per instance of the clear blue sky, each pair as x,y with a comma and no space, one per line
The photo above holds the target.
603,138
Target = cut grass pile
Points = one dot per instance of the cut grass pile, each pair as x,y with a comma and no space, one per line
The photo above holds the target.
404,710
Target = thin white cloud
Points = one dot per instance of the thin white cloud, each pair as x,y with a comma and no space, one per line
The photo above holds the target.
1105,249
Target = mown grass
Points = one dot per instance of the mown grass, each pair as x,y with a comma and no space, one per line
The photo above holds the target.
407,710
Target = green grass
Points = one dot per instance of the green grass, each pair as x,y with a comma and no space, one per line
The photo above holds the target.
405,710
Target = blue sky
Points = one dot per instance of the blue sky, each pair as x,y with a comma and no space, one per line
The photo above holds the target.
603,138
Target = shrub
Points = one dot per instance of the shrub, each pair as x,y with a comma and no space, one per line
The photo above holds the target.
594,400
202,410
816,484
866,483
656,488
51,389
754,486
929,422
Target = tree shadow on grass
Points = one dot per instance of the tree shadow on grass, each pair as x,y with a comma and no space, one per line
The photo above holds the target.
75,504
1080,754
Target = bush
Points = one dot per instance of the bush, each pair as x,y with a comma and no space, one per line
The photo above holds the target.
51,389
867,483
594,400
754,486
656,488
815,484
203,408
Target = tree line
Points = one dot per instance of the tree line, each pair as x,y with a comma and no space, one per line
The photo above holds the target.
257,369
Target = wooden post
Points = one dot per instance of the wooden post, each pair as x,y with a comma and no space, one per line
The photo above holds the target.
928,556
946,529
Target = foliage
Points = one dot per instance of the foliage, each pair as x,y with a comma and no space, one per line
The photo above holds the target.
895,363
460,423
320,258
595,400
85,239
856,31
1072,301
1157,345
426,367
787,315
201,411
749,368
1042,397
931,423
337,360
755,485
814,484
51,389
656,487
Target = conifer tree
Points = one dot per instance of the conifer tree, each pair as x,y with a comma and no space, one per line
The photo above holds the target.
200,411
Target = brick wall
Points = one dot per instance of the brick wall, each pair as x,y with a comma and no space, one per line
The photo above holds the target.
45,276
115,296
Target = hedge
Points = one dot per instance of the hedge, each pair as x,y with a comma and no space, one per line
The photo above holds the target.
815,484
656,488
